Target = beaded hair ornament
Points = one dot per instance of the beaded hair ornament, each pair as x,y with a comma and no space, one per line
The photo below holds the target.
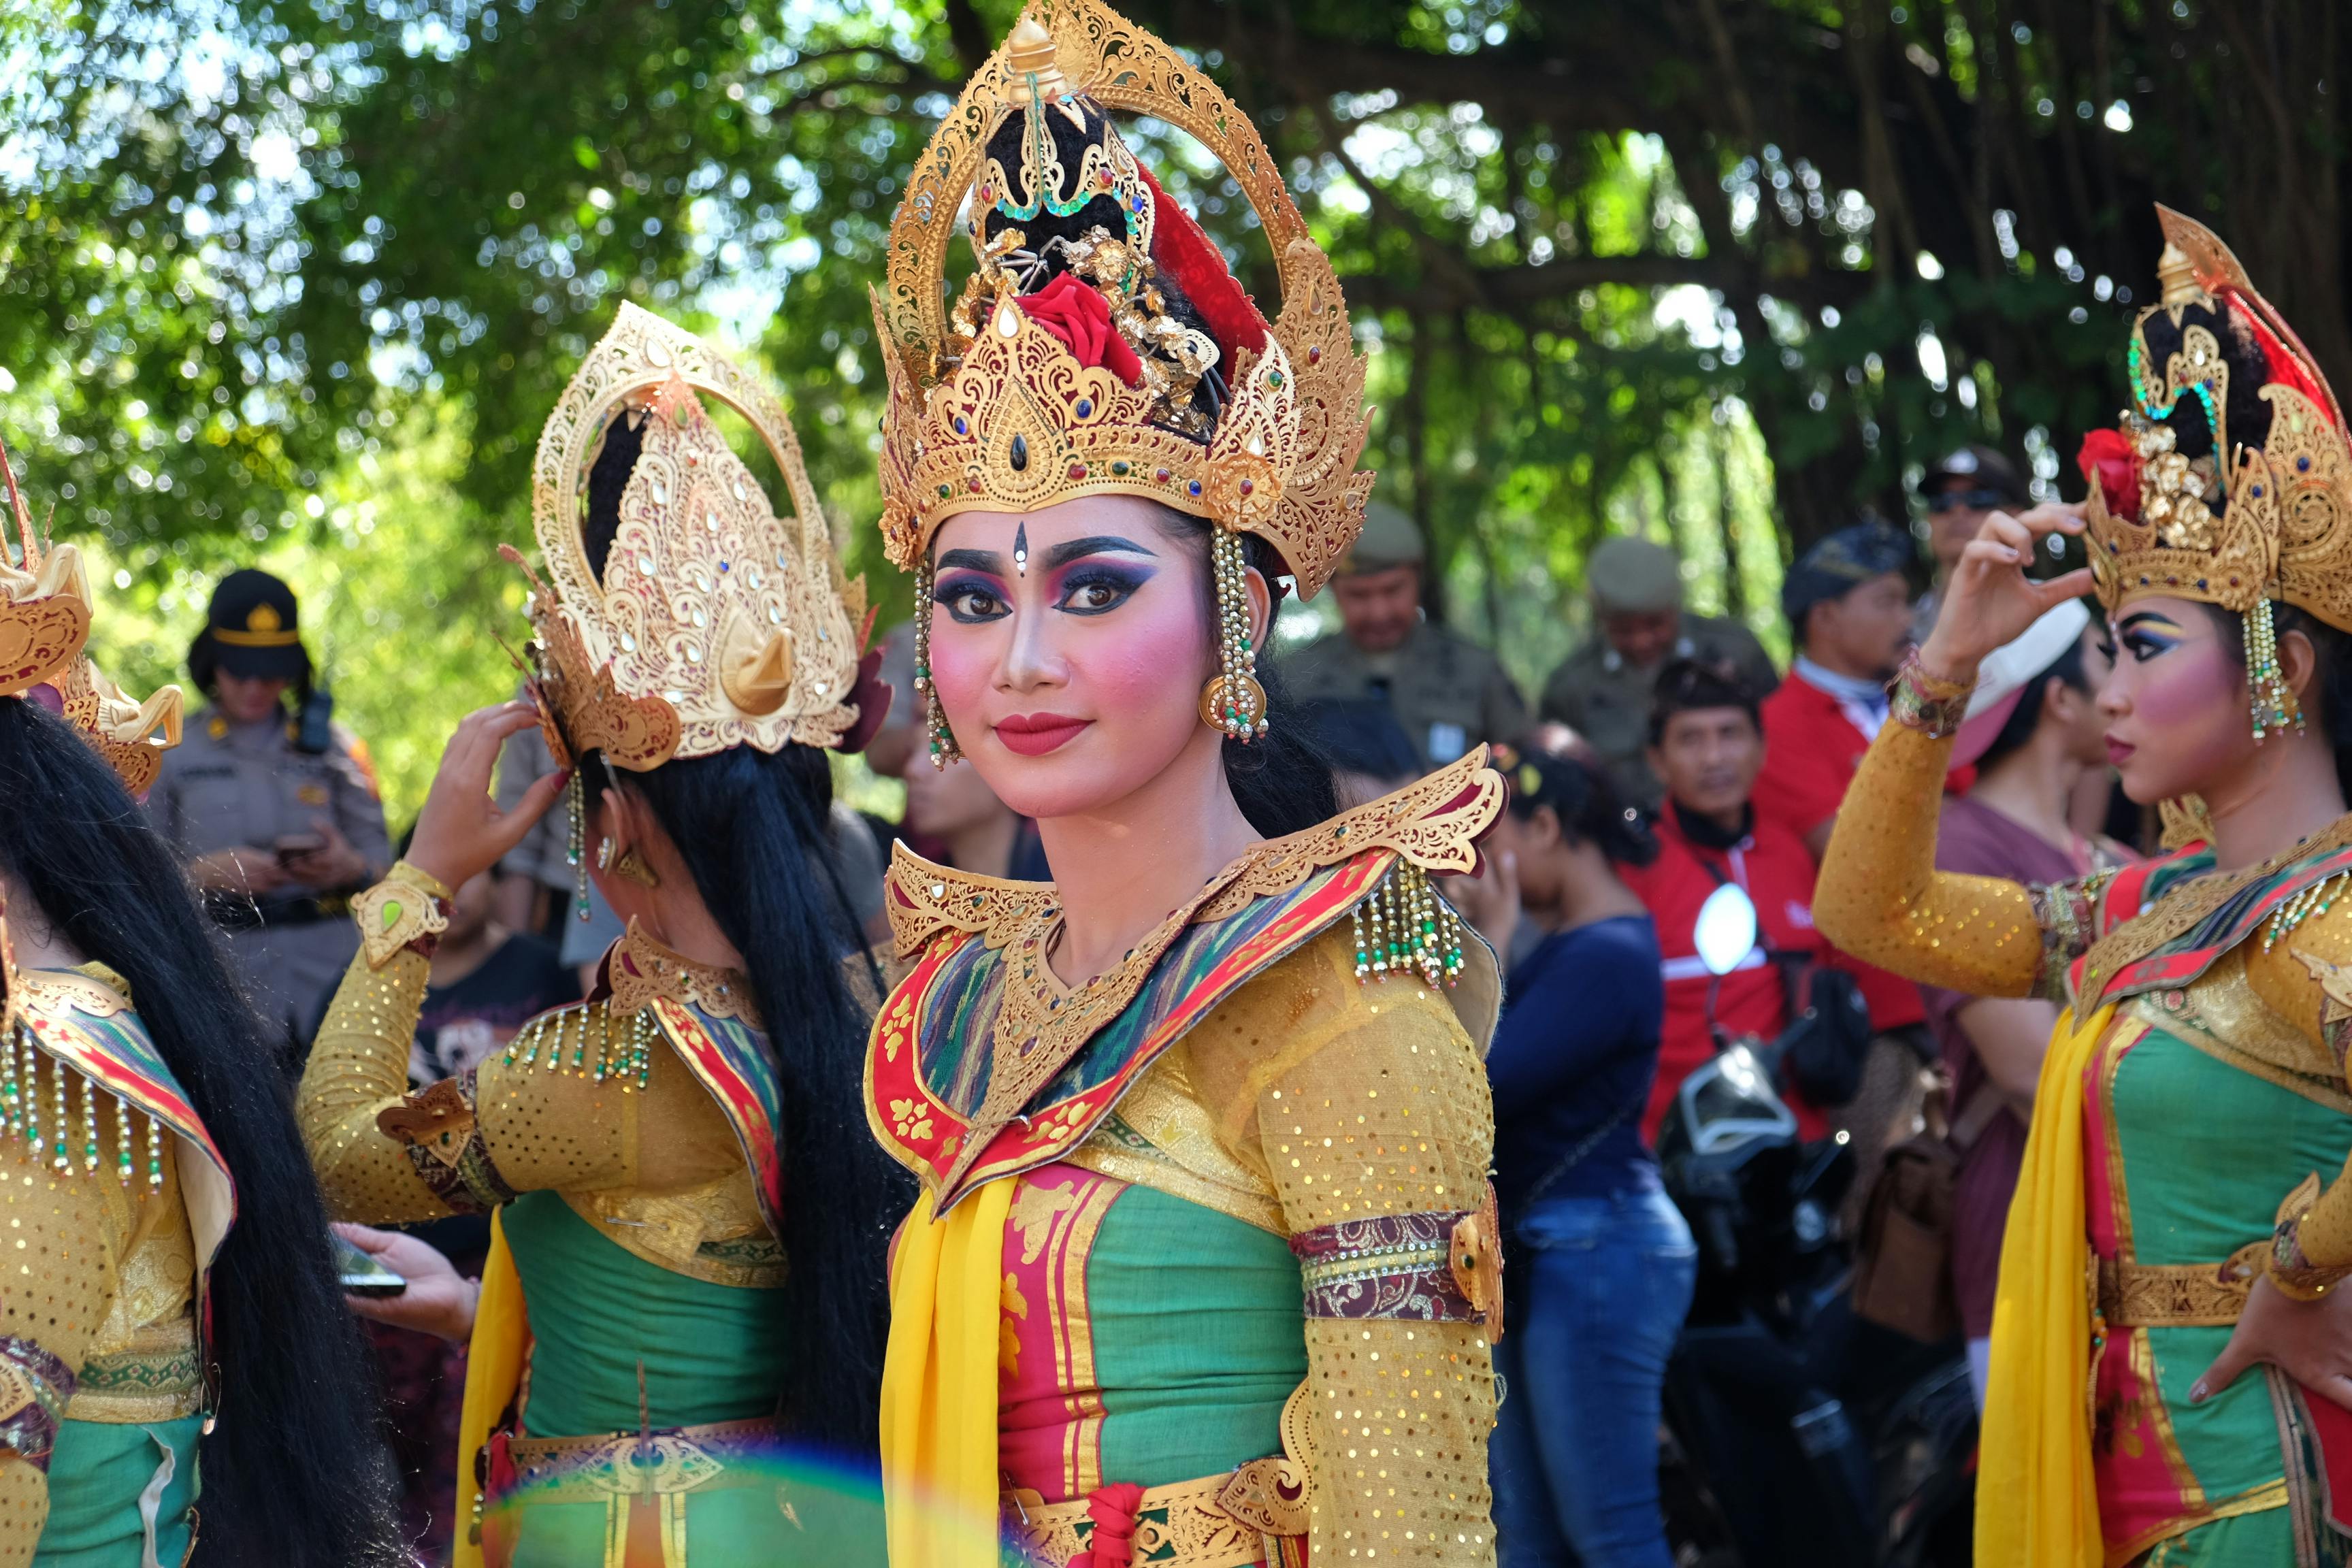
2237,525
1061,371
45,613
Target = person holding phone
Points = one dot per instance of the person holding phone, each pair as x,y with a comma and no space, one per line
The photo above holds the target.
274,806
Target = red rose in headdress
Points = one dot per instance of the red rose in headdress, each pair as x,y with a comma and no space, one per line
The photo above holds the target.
2107,460
1080,316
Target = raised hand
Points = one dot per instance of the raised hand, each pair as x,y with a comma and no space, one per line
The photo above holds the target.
1987,598
461,833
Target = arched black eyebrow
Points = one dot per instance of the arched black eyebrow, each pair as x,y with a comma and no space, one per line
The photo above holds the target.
1094,545
986,561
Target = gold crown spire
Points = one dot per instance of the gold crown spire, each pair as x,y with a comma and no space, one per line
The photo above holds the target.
989,411
714,622
45,618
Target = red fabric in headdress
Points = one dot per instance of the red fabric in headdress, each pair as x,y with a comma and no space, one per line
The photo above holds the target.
1185,253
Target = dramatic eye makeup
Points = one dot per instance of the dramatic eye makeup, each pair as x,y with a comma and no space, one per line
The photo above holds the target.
970,586
2147,634
1090,577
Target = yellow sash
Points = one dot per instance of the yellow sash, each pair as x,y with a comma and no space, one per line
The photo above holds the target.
493,1371
2037,1504
939,1476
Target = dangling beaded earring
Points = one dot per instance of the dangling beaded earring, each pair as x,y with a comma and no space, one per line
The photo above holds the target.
944,748
2273,700
1233,700
572,855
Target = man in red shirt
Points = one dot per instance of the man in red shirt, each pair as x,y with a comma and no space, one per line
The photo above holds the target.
1706,747
1850,610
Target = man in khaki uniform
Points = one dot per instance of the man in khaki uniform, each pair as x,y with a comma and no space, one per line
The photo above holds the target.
1602,691
274,808
1447,693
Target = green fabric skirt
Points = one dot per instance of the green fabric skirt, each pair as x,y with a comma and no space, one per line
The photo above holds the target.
98,1474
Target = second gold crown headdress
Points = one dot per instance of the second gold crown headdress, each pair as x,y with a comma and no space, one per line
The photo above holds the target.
712,623
1062,371
44,615
2183,505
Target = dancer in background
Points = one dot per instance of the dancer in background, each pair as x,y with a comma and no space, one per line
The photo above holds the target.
2177,1218
1204,1269
177,1368
686,1269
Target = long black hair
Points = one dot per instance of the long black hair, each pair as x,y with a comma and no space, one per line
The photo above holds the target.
753,828
295,1472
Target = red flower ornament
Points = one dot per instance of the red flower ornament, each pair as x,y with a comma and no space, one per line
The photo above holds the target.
1077,314
2107,460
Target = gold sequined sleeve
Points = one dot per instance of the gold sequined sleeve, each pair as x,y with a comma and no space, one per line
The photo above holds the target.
2305,976
358,1069
1881,899
538,1121
60,1243
1369,1103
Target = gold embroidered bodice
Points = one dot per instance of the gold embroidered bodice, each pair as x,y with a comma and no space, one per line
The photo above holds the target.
2278,1004
100,1275
657,1170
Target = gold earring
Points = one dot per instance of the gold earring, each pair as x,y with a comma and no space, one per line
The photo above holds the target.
604,854
636,869
944,748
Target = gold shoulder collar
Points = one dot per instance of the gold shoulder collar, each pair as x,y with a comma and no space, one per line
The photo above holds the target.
1434,823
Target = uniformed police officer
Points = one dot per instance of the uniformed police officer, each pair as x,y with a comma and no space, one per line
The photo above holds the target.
1603,689
275,809
1447,693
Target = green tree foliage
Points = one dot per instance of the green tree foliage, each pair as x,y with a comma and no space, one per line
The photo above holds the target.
1724,271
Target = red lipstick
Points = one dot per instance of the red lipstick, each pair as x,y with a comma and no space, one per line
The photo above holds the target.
2118,752
1034,734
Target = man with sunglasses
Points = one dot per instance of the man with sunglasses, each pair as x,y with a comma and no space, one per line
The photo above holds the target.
1961,491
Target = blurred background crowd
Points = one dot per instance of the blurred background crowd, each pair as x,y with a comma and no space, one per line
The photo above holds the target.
1704,334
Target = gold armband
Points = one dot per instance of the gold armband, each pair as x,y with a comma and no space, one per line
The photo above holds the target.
409,909
2295,1274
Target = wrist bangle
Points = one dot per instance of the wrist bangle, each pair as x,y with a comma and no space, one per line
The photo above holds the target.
398,913
1927,702
2289,1268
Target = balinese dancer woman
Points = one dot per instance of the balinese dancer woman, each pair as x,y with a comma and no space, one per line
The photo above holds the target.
1203,1272
688,1221
172,1339
2174,1224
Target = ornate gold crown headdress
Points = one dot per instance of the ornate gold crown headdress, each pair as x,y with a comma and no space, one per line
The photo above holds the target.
715,624
990,409
45,612
2236,525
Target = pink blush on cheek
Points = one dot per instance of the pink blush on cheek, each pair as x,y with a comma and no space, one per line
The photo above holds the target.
2191,710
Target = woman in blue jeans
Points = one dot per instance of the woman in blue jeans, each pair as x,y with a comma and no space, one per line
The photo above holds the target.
1601,1264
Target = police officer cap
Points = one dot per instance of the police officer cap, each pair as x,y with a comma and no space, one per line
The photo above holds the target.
1635,575
250,630
1984,469
1840,563
1391,538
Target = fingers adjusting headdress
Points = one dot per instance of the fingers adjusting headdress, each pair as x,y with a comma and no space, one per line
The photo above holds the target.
44,615
2229,480
1104,345
684,617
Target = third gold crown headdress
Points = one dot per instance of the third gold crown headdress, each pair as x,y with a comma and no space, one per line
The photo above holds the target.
2185,506
1061,371
714,622
45,612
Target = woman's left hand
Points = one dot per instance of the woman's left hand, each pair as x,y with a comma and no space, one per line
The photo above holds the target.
1490,901
2311,1341
438,1300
